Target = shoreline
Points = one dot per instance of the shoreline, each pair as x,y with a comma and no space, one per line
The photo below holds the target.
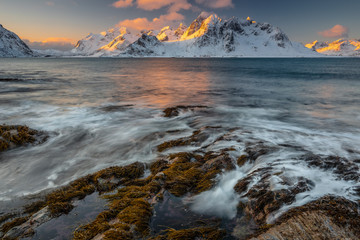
133,193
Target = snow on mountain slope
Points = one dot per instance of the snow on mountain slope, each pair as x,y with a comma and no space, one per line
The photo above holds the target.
168,34
12,46
124,39
341,47
91,43
210,36
207,36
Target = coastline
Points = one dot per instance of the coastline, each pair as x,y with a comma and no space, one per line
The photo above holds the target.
134,192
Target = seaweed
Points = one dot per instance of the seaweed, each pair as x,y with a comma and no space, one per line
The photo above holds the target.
174,111
15,222
16,136
242,160
185,141
210,233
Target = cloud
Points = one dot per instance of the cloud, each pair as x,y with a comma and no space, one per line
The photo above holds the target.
62,44
170,18
216,3
336,31
175,5
139,24
50,3
123,3
150,5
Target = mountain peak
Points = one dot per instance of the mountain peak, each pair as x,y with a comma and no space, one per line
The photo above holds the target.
200,25
340,47
12,46
207,35
204,15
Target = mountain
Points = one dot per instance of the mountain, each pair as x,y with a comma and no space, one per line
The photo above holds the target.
12,46
207,36
341,47
93,42
168,34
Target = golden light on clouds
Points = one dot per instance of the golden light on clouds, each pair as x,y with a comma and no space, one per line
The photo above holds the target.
335,32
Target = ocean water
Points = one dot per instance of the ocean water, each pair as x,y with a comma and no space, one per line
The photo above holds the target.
105,112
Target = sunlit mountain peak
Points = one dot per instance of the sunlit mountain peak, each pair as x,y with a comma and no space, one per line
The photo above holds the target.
200,25
340,47
207,35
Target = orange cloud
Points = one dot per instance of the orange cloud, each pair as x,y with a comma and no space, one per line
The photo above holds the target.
58,39
149,5
170,18
144,24
216,3
175,5
62,44
123,3
50,3
336,31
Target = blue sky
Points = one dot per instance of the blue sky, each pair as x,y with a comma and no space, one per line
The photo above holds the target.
66,21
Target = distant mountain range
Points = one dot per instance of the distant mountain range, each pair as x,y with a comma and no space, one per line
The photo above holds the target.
207,36
341,47
12,46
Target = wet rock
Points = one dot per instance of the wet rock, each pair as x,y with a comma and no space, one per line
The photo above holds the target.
254,151
242,185
197,138
219,161
17,136
341,167
327,218
30,223
198,233
262,200
116,108
175,111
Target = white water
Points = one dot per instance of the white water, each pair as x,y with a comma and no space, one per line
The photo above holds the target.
293,106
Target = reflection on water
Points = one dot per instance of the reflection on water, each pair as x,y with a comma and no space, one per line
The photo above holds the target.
161,84
104,112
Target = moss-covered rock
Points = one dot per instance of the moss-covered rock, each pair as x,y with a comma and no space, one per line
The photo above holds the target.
175,111
16,136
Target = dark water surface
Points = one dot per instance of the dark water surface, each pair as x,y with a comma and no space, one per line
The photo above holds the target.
104,112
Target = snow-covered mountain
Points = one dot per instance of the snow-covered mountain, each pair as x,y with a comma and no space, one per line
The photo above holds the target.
12,46
341,47
168,34
93,42
207,36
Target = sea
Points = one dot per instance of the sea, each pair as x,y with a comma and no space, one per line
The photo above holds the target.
102,112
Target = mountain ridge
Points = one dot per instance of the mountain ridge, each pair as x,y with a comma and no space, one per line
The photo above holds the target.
12,46
340,47
207,36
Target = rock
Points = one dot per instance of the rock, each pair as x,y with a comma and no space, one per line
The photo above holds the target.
12,136
327,218
175,111
143,46
262,200
27,229
341,167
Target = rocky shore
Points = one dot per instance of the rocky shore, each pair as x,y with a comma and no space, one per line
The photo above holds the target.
135,193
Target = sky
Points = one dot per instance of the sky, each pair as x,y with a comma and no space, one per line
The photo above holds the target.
59,24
